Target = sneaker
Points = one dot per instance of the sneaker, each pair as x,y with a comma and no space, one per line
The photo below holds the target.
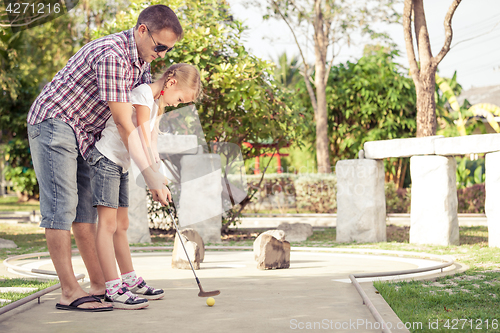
124,299
143,290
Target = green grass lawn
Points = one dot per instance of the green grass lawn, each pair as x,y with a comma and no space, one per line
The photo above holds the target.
9,203
23,283
29,239
464,303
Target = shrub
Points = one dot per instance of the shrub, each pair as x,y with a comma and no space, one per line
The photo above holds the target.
304,192
397,200
19,169
471,199
277,191
316,192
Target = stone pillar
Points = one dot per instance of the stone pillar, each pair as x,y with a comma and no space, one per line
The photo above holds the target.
434,200
200,202
492,184
360,201
138,230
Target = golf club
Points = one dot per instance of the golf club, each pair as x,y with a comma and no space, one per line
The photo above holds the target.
202,293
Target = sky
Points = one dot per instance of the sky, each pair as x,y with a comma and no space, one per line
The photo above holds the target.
476,22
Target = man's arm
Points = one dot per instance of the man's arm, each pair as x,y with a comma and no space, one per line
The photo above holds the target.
154,140
144,127
122,115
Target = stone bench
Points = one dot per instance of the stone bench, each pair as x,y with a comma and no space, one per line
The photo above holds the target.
361,197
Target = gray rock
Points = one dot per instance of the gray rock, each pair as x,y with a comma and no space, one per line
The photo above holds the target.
278,234
179,259
296,232
193,236
274,254
7,244
434,200
360,201
492,208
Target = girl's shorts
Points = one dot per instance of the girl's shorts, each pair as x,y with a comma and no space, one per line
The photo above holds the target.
109,183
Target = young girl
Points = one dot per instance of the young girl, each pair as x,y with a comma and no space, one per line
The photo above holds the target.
110,161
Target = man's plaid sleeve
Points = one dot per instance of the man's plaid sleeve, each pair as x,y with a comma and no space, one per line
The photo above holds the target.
111,74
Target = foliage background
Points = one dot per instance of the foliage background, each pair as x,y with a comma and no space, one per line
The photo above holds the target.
371,99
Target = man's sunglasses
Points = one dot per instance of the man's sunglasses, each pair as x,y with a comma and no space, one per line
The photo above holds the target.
159,48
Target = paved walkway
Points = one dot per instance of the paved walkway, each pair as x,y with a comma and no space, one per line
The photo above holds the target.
313,293
330,220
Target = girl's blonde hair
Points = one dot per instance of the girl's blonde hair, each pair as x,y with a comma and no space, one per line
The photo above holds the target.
187,76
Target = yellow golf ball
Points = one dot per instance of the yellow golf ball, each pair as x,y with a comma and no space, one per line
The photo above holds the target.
210,301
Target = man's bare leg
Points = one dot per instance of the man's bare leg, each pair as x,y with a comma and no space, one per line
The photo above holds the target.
59,244
85,237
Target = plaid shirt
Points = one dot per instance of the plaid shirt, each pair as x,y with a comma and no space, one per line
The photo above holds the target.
105,69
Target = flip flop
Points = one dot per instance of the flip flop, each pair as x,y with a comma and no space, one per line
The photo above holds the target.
100,297
79,301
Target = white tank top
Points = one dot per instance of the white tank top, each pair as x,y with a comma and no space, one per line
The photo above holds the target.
110,144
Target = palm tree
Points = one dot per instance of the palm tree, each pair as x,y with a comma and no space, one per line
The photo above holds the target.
287,72
462,113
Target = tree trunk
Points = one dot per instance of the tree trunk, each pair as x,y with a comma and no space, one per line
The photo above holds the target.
322,142
426,104
321,30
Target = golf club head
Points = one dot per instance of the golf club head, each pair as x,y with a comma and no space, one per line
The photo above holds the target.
208,293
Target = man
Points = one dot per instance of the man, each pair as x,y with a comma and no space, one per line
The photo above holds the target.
63,124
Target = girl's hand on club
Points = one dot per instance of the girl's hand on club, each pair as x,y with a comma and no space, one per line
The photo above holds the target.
156,184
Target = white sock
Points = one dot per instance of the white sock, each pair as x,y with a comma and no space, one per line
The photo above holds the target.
113,286
130,278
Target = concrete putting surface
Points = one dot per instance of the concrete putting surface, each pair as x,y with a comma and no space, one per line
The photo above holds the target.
314,294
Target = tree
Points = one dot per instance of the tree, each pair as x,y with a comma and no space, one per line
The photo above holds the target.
371,99
423,72
332,22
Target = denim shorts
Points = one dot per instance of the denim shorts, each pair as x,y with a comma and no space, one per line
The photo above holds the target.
63,175
109,184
